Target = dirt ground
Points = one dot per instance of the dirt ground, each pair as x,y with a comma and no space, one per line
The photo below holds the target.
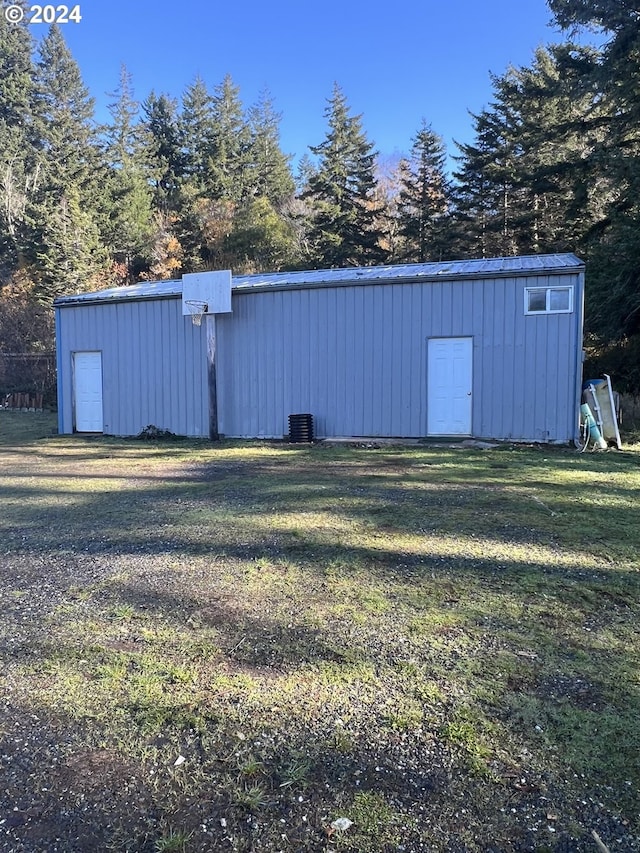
233,649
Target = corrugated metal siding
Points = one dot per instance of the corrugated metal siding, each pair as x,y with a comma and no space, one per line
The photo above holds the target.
153,361
355,357
335,353
525,366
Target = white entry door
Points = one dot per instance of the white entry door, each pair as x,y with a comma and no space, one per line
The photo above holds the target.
87,389
449,386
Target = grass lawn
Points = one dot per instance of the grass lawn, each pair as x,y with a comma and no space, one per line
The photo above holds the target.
231,647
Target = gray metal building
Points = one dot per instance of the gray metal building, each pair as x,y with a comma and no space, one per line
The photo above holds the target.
488,348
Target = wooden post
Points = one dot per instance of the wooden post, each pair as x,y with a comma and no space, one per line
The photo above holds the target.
210,320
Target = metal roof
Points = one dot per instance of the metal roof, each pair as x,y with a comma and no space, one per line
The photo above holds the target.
434,271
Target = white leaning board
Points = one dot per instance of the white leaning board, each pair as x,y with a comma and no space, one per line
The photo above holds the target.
212,289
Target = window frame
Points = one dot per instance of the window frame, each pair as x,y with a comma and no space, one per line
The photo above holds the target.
547,290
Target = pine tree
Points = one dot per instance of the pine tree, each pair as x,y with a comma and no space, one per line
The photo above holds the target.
72,256
217,175
197,130
559,194
525,184
124,110
208,200
424,199
612,15
18,168
164,166
481,194
341,191
269,172
231,145
130,222
305,171
613,244
164,159
68,208
261,239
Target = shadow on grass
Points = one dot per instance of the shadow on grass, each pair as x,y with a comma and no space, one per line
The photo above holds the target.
398,492
392,575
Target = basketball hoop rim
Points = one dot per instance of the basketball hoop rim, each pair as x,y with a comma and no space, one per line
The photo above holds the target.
202,309
196,303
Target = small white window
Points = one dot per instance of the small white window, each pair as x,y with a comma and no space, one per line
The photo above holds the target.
548,300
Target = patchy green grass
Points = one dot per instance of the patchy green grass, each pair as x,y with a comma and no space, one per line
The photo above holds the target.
231,646
20,428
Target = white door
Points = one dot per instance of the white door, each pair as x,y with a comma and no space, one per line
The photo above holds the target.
449,386
87,382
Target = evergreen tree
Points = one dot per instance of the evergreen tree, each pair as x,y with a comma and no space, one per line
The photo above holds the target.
527,184
216,181
344,231
68,207
613,247
196,185
231,145
423,202
124,110
130,222
305,171
18,169
261,239
164,159
197,130
72,257
560,196
164,167
615,16
269,173
481,194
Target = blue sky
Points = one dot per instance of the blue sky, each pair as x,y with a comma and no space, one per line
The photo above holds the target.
397,62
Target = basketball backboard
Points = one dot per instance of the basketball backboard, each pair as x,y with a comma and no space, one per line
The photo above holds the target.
206,292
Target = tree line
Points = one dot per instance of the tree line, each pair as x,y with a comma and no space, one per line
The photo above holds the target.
167,187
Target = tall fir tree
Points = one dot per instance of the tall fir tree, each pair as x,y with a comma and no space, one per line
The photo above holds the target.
475,201
613,247
164,166
487,198
341,192
18,164
423,204
269,171
68,207
263,237
130,220
201,204
197,130
231,144
524,184
164,158
558,196
25,325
